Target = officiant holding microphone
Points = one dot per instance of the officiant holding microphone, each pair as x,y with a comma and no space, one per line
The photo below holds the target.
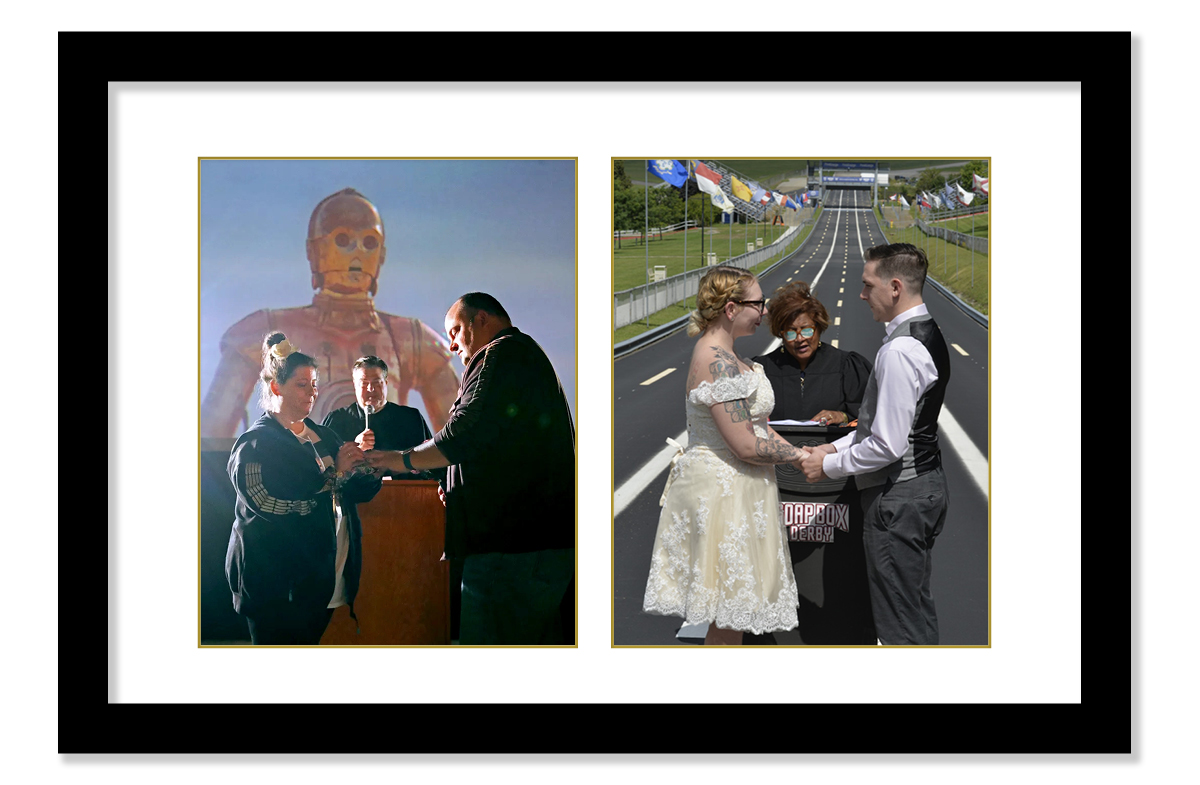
374,423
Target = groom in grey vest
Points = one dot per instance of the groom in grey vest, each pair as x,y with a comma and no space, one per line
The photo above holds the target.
894,453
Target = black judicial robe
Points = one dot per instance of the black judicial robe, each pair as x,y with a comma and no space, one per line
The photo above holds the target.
834,380
396,427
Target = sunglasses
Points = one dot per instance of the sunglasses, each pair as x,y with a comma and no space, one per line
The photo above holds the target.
807,332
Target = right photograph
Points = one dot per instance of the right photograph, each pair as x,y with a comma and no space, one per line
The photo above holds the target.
800,402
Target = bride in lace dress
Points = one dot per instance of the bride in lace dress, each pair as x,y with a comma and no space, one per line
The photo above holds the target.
721,555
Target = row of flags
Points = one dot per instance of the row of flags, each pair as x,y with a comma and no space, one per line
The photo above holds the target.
951,197
709,181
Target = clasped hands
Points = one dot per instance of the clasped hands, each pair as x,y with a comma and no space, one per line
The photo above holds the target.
387,460
811,461
349,457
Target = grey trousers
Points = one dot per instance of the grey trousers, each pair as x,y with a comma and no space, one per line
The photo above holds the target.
902,520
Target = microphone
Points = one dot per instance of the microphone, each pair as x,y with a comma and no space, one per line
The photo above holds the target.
369,409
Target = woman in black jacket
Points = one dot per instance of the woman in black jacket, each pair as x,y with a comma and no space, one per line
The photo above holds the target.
295,552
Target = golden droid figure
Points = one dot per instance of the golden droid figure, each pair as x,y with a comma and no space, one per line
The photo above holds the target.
345,252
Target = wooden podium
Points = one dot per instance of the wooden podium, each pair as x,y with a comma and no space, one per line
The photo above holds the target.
404,595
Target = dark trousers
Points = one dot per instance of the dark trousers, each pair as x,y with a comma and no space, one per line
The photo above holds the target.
902,520
288,624
515,598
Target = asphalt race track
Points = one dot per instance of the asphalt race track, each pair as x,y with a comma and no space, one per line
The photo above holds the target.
645,415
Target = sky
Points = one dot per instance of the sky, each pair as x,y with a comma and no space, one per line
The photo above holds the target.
506,227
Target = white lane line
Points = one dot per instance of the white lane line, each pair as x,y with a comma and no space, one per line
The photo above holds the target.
630,489
839,304
656,377
858,227
837,320
812,285
961,350
977,465
834,343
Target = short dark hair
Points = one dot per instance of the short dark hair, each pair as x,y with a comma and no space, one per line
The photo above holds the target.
474,302
370,361
900,260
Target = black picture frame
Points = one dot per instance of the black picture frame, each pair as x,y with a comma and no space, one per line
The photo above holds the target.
90,724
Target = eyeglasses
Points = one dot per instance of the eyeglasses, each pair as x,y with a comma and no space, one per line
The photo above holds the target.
807,332
756,303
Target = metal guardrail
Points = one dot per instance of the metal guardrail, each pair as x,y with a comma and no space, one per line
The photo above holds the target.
653,230
976,244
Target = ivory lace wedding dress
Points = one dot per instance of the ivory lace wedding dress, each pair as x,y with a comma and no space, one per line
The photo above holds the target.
721,554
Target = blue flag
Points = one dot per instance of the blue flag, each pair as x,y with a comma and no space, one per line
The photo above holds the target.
950,197
671,171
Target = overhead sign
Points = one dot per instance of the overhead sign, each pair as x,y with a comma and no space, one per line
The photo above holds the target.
850,165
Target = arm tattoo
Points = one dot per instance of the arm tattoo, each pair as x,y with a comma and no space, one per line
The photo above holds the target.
772,450
738,410
726,364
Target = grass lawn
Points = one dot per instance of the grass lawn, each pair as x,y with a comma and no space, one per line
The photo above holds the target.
681,309
630,260
962,271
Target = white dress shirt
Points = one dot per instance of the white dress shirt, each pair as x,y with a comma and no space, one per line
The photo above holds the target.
903,371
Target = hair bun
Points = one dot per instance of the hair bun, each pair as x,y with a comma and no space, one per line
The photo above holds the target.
282,349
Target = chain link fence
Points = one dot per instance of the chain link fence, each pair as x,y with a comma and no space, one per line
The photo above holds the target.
976,244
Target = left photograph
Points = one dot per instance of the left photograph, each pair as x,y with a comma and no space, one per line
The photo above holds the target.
387,402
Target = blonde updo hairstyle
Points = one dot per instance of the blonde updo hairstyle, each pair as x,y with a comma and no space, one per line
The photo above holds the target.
718,287
281,364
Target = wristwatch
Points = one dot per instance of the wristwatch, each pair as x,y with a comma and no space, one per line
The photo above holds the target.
407,460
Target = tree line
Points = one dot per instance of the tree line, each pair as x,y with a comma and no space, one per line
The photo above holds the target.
664,205
931,180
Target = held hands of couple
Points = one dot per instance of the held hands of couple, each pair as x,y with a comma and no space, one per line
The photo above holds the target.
389,460
812,462
799,462
349,455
